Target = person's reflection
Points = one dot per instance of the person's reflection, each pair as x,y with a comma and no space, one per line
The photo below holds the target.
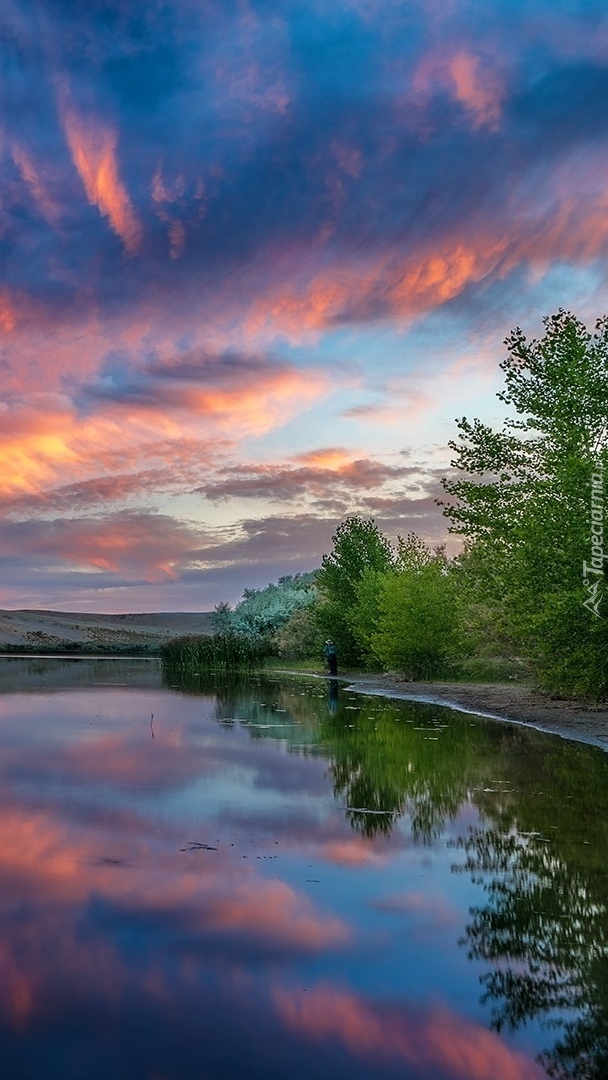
332,695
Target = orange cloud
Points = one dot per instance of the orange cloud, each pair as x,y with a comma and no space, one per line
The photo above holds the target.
133,544
93,149
45,441
387,287
329,458
266,400
8,318
437,1041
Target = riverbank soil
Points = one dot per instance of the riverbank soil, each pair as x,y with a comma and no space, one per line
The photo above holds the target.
583,721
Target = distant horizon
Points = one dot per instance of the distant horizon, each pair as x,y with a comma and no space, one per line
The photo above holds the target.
72,611
258,260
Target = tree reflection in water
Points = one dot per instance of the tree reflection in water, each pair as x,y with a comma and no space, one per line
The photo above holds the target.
546,936
543,929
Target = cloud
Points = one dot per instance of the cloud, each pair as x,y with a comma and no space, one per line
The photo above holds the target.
131,415
99,491
36,184
127,545
93,148
353,851
292,192
462,75
82,886
254,393
427,1043
8,318
276,910
432,910
333,474
43,441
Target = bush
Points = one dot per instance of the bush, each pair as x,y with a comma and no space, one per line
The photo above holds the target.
262,612
299,638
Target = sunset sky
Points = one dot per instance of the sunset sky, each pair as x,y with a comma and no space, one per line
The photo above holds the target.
256,256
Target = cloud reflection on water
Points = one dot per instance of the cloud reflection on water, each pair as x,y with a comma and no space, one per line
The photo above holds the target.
130,948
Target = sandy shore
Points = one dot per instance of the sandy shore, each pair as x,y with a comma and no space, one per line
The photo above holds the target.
511,702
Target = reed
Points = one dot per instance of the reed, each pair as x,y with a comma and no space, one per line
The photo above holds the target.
224,652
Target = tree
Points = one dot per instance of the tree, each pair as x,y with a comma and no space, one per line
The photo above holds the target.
299,638
418,625
262,612
359,546
523,501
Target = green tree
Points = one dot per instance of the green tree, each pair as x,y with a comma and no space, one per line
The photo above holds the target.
364,616
408,617
523,501
359,546
299,638
419,625
262,612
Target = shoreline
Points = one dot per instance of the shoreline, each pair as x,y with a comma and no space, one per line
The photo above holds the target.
506,702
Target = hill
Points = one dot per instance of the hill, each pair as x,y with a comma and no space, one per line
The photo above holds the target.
33,631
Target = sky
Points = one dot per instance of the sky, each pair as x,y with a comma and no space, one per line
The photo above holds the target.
256,257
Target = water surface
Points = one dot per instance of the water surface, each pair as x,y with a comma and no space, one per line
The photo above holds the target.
282,878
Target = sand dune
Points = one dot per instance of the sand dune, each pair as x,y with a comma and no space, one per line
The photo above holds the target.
60,631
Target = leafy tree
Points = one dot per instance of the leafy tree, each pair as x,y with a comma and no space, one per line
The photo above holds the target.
262,612
523,500
221,618
359,546
419,621
299,638
364,616
407,617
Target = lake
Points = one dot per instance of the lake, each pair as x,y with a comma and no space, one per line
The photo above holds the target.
265,877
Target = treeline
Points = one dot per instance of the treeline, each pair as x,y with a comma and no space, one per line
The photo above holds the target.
270,622
527,502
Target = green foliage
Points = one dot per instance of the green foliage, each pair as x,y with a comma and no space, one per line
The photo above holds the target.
409,616
359,546
364,616
299,638
262,612
223,651
523,501
419,626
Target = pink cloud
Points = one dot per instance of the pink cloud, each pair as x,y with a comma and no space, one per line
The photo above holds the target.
472,82
67,865
36,183
433,910
93,146
432,1041
352,851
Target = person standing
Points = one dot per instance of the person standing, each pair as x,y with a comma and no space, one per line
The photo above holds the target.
331,655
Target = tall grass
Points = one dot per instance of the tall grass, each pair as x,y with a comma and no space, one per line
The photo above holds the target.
215,652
